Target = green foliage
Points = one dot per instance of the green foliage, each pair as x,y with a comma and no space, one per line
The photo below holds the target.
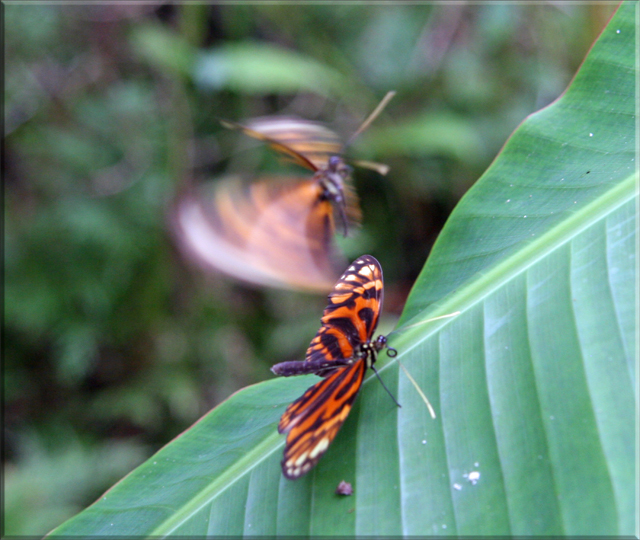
112,340
70,474
261,69
533,382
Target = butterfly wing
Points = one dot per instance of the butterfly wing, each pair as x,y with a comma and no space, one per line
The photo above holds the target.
351,316
307,143
271,232
313,420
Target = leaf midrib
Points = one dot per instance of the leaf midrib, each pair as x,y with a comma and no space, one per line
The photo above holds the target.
233,474
485,284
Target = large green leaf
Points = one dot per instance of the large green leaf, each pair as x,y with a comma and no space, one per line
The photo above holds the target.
533,382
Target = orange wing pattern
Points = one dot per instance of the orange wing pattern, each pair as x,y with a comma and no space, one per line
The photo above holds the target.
352,314
271,232
341,352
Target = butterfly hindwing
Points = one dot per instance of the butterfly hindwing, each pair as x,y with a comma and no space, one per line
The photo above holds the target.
313,420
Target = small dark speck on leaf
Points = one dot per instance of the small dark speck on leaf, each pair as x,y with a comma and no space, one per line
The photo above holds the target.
344,488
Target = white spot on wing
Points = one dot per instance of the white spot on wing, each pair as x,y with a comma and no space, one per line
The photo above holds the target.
366,271
319,448
301,459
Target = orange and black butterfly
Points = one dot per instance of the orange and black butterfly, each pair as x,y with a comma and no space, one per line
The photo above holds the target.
341,352
279,231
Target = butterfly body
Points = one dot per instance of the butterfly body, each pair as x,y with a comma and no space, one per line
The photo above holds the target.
333,181
341,352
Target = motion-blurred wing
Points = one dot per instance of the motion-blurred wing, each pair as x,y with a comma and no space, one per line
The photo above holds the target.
308,143
269,232
313,420
351,316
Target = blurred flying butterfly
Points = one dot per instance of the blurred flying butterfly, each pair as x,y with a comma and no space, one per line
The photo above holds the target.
279,231
341,352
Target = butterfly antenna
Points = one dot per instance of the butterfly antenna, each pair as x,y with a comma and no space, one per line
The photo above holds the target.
383,386
419,390
372,116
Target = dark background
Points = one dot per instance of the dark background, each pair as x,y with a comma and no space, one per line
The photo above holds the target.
113,343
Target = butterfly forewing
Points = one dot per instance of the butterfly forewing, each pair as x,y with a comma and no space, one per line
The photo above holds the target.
307,143
351,316
313,420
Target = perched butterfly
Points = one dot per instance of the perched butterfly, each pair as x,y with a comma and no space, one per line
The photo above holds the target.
341,352
278,231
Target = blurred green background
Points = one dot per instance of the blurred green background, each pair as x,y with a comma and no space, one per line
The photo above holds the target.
113,343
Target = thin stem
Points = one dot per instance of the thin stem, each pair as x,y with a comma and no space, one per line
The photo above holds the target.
415,384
